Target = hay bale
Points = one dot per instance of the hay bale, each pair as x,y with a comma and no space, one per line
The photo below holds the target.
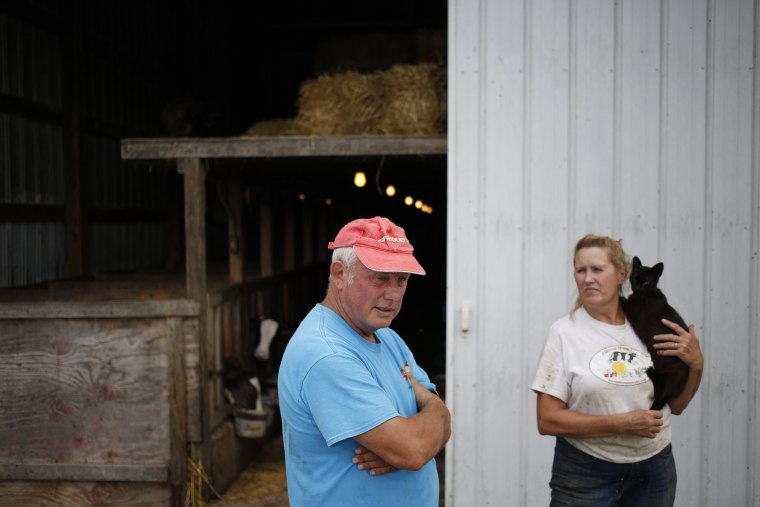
402,100
274,127
415,100
347,103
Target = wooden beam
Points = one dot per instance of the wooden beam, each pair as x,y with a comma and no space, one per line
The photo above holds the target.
282,146
99,310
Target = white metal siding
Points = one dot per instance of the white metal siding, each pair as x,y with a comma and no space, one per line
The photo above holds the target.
638,119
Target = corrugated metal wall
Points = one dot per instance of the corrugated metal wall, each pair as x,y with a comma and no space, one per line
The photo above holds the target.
111,62
30,152
638,119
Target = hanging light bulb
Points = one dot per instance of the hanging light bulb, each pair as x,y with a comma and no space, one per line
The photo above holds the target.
360,179
301,196
418,204
390,190
408,200
328,201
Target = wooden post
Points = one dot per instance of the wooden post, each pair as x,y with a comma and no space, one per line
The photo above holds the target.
307,237
265,227
322,233
194,173
288,232
236,232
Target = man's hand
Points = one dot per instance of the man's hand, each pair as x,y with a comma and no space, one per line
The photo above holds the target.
368,460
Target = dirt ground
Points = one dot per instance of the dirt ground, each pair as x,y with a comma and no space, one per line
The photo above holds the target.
263,483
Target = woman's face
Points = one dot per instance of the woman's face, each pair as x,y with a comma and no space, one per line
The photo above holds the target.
597,279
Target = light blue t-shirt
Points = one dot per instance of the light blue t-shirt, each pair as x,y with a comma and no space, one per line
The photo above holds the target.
333,385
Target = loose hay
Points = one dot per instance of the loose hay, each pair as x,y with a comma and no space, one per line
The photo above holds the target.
197,478
263,483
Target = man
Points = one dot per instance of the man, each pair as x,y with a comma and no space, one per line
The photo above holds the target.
360,423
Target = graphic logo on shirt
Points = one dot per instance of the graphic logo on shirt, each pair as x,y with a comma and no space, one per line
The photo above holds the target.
621,365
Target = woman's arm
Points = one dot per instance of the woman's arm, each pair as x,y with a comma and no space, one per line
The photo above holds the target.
685,346
554,418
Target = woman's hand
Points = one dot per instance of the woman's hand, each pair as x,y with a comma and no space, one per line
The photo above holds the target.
644,423
683,344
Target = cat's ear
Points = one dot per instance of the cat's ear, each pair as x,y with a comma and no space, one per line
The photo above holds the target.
636,262
657,268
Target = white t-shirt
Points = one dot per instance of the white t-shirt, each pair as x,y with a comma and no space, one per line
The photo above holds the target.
600,369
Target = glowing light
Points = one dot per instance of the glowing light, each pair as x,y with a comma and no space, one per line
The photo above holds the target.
360,179
328,201
418,204
390,190
408,200
301,196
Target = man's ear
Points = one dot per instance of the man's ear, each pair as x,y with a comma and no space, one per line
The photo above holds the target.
339,274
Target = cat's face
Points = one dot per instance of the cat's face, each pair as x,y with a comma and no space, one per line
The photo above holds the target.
644,278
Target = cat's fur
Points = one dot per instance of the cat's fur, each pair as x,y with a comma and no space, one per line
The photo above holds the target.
645,308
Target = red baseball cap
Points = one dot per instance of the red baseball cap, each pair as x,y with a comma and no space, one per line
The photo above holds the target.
380,245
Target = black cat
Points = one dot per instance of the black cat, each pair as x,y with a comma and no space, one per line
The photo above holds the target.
645,308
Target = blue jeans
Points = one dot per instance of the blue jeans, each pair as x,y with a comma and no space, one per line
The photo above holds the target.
581,479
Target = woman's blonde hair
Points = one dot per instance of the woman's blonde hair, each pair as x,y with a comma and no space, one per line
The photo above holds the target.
615,252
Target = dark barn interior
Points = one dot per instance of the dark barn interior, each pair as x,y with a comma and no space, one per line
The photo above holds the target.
96,253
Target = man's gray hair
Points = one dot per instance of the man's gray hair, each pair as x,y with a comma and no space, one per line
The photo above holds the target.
347,256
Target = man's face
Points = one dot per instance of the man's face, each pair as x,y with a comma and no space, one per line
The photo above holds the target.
374,298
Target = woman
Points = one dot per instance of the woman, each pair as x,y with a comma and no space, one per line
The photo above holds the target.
594,394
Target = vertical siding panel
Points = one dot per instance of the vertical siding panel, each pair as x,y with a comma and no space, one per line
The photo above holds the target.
728,260
682,200
548,295
638,76
464,182
501,225
593,123
753,493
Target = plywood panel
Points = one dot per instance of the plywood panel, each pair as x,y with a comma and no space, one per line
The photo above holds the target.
85,393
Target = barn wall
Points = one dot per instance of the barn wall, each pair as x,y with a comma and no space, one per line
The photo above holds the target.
636,119
76,77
